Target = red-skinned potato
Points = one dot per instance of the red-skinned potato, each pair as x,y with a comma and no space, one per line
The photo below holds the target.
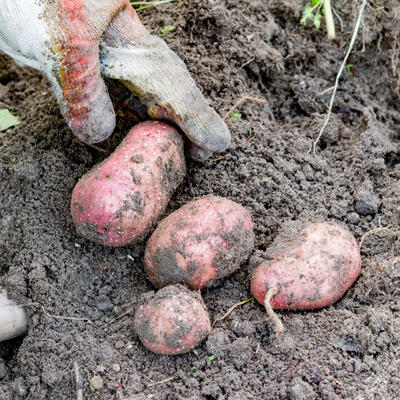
173,322
120,199
313,269
205,240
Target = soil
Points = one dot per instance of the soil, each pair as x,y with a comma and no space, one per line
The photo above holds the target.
81,297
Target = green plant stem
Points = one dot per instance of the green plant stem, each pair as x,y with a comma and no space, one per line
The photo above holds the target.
330,24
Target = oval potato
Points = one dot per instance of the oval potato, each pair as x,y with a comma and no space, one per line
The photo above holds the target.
205,240
316,268
120,199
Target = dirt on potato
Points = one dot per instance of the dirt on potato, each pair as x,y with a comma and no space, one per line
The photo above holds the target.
200,244
80,297
173,322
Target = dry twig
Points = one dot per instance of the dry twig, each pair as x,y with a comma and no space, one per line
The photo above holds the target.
161,382
241,101
231,309
78,382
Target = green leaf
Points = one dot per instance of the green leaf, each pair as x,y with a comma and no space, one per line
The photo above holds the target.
7,120
168,28
211,358
307,14
317,20
192,369
236,115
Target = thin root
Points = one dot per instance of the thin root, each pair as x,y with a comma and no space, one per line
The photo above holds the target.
231,309
342,67
161,382
119,316
247,63
278,326
216,159
93,146
86,320
241,101
372,232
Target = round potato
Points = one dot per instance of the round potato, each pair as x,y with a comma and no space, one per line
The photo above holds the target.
205,240
120,199
312,270
173,322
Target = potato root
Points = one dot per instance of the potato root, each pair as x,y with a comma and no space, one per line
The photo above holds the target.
313,270
173,321
205,240
120,199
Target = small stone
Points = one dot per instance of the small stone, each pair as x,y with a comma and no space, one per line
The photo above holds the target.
243,172
100,368
353,218
116,367
96,382
366,203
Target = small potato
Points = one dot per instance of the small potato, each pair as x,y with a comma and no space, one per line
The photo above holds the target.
120,199
205,240
173,322
312,269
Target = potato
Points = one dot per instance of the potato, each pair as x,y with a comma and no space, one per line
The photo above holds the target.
120,199
205,240
311,270
173,322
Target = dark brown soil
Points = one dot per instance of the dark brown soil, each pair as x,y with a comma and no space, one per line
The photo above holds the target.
81,297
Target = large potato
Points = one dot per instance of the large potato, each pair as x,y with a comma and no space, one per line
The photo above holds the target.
173,322
120,199
205,240
312,270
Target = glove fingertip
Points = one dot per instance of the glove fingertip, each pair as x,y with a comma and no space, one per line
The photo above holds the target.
210,133
96,126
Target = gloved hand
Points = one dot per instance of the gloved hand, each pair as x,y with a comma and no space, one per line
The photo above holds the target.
74,42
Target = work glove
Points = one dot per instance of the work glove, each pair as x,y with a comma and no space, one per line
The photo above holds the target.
74,42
